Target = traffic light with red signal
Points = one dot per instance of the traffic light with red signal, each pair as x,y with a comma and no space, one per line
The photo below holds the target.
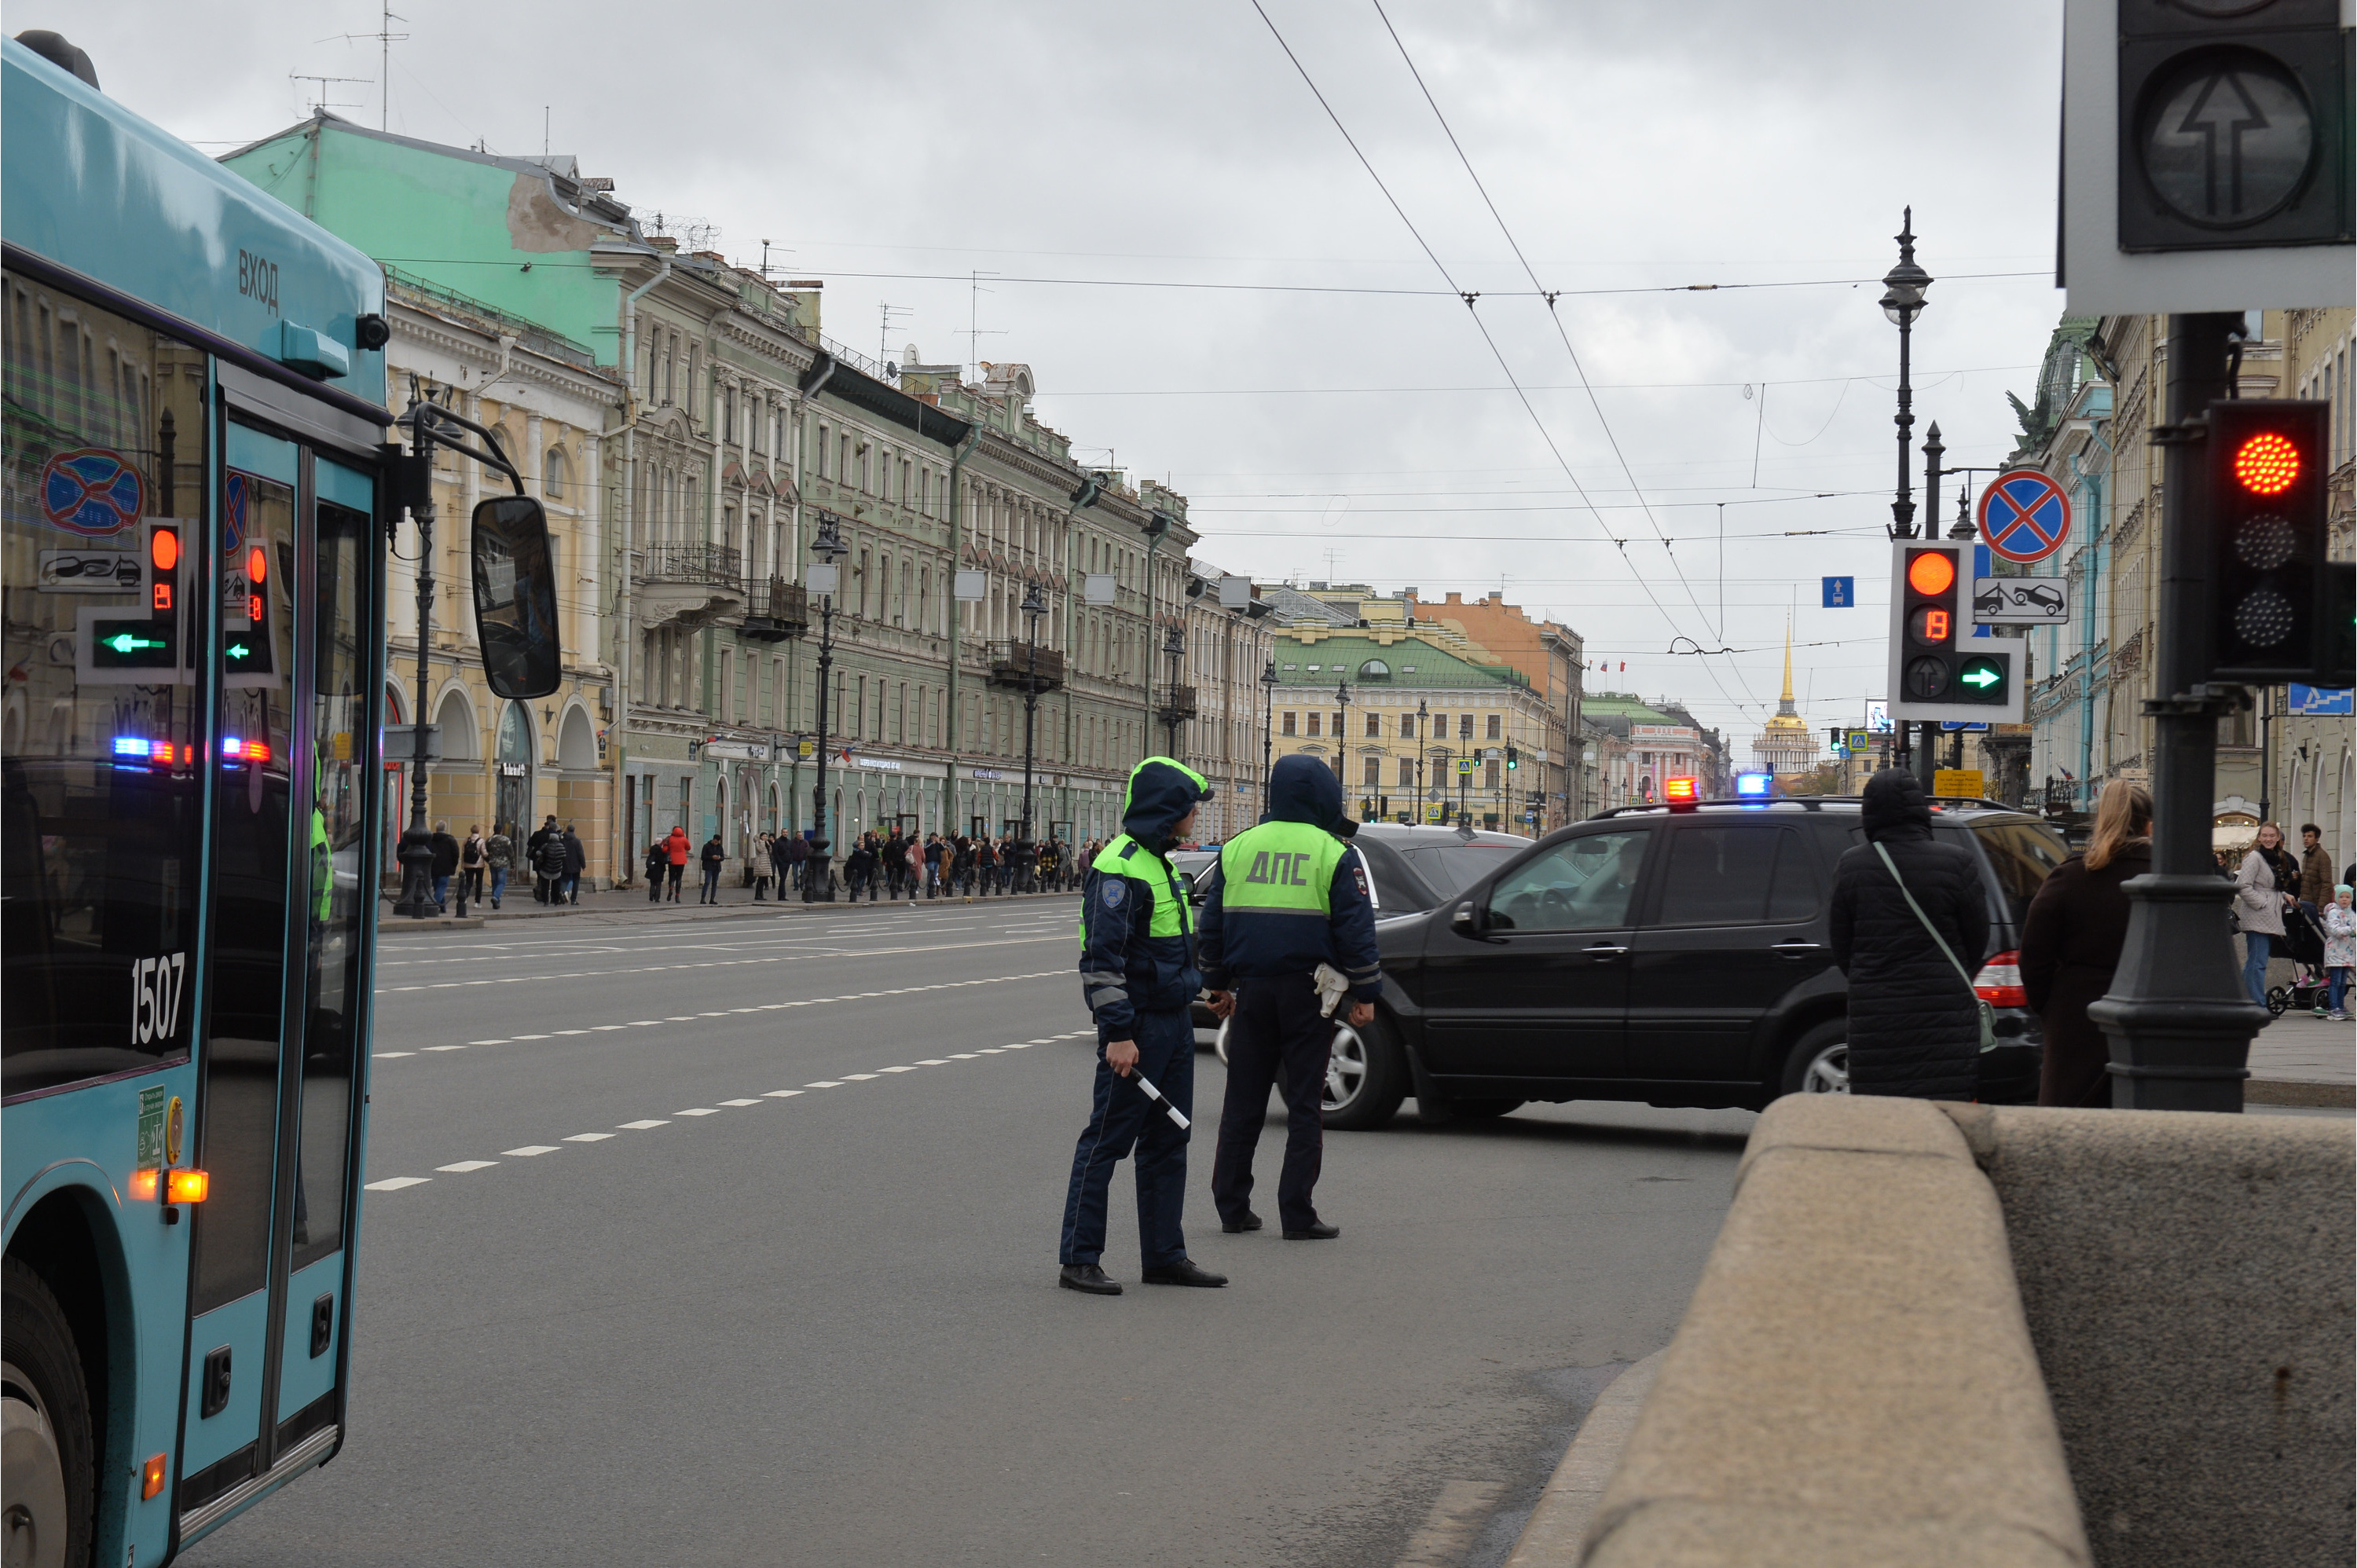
2269,585
1939,670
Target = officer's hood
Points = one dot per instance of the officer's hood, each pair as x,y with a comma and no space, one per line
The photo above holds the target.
1161,791
1304,789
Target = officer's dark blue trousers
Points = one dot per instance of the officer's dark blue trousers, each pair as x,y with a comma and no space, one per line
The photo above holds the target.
1120,1117
1277,1036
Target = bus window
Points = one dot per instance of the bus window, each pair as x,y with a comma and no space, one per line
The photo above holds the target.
100,745
341,735
246,965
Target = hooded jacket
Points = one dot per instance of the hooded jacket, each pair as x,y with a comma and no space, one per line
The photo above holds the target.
1126,967
1248,943
1914,1023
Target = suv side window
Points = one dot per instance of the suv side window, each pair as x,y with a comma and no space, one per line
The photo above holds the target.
1717,876
1587,884
1797,891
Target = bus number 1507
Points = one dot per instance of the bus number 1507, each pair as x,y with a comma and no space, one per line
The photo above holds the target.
155,987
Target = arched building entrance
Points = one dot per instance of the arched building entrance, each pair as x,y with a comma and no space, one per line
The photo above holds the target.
515,762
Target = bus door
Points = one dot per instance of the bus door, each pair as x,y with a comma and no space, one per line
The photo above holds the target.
285,1004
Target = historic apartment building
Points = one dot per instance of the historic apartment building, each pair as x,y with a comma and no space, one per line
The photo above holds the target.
2100,391
1229,648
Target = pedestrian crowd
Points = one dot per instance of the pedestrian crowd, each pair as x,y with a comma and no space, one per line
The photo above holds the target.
553,856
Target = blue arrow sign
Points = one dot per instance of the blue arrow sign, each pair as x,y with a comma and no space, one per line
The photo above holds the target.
1841,593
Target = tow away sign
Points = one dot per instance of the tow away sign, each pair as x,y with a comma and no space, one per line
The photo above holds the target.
2020,601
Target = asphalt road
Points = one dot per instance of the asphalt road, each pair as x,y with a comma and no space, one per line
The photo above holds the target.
734,1242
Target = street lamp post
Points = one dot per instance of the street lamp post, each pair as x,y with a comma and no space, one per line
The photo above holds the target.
1267,723
1034,607
1174,646
826,576
1422,745
1902,302
1342,736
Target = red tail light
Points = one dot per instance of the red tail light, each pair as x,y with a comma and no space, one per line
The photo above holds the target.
1999,981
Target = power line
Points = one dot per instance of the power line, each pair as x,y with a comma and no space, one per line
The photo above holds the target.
1923,379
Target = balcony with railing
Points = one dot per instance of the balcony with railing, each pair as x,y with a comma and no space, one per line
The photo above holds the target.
1018,664
689,584
1177,703
776,610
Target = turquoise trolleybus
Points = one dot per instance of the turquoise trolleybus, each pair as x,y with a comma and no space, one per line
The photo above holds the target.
194,497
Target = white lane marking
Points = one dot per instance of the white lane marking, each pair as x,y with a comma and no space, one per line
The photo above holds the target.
1023,1044
643,1126
463,1166
681,1018
388,1056
726,964
721,1015
568,1031
602,1029
446,1047
992,1051
962,1056
857,1076
588,1137
934,1061
780,1093
1049,1041
642,1023
394,1183
500,1042
897,1070
699,1110
824,1083
740,1102
531,1149
528,1037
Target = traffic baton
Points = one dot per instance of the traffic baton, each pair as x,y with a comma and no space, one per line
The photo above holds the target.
1146,1087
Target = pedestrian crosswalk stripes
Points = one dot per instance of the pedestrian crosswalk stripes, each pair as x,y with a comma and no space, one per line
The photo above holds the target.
398,1184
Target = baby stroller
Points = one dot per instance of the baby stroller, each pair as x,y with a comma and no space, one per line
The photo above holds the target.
2304,945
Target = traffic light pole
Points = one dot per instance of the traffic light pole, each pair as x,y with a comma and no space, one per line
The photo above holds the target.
2178,1017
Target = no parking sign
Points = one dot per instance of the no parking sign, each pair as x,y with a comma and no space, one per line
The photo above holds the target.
2024,515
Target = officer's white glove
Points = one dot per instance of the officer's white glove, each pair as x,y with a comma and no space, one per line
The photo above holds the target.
1331,989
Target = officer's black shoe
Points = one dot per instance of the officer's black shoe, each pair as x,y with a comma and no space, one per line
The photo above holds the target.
1250,1221
1087,1278
1185,1272
1320,1232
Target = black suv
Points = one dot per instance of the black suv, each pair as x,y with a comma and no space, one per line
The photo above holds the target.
1674,957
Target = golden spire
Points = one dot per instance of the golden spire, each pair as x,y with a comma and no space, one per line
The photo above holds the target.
1786,707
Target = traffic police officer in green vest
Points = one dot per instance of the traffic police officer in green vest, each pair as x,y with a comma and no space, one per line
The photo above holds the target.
1138,974
1287,897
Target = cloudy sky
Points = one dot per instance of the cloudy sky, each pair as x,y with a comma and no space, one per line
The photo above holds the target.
1334,410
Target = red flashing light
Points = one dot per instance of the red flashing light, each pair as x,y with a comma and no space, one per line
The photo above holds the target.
2267,463
1931,573
163,549
1680,793
257,563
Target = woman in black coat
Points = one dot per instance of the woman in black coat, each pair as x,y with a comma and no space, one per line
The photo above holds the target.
2070,943
1914,1023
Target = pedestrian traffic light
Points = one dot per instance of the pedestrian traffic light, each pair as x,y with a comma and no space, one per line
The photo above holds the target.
1939,670
2265,462
1513,758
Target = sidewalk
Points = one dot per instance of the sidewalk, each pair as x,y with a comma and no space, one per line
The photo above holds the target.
735,902
2301,1060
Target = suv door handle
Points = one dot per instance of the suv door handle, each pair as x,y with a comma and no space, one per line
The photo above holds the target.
1603,950
1797,949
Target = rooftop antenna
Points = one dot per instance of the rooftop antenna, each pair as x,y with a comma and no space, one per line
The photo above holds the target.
322,102
544,134
385,38
884,314
974,318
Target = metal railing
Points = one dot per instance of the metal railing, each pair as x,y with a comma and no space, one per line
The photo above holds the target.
1010,665
776,609
1178,703
718,564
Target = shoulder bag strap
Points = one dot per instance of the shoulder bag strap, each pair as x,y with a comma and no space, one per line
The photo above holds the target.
1987,1014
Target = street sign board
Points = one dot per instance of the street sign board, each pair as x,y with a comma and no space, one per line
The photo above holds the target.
1465,765
2020,601
1841,593
1878,716
1965,783
1954,727
1860,740
2024,515
2318,701
2233,188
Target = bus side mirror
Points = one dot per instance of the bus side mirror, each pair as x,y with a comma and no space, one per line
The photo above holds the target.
515,597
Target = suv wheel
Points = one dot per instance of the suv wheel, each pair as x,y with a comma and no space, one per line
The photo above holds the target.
1365,1076
1819,1061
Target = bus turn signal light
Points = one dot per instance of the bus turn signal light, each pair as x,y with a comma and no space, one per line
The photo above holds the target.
151,1476
188,1187
143,1184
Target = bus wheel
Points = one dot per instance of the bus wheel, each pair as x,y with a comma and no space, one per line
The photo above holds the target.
45,1447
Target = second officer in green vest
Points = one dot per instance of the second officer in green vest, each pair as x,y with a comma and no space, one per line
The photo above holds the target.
1287,897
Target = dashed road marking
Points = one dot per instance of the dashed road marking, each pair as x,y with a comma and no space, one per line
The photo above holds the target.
588,1137
933,1061
898,1069
838,955
388,1056
824,1083
740,1102
699,1111
857,1076
780,1093
446,1047
394,1183
643,1126
463,1166
531,1149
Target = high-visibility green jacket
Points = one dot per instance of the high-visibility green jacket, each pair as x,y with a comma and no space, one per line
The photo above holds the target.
1137,933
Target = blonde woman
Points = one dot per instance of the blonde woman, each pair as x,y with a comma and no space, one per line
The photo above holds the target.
2070,943
2268,883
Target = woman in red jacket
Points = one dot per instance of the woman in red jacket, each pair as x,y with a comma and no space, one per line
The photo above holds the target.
675,849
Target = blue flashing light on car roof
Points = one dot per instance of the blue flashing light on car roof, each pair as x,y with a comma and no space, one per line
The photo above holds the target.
1754,785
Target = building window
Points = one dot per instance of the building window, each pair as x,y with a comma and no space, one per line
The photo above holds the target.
1497,722
823,434
1374,772
1375,726
1314,721
1465,726
1489,777
1286,721
1407,773
554,478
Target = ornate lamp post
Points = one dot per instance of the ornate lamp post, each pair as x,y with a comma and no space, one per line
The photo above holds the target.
1267,722
1902,302
1034,607
1174,648
1343,736
826,576
1423,743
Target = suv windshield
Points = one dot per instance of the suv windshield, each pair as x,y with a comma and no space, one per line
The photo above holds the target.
2021,854
1453,867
